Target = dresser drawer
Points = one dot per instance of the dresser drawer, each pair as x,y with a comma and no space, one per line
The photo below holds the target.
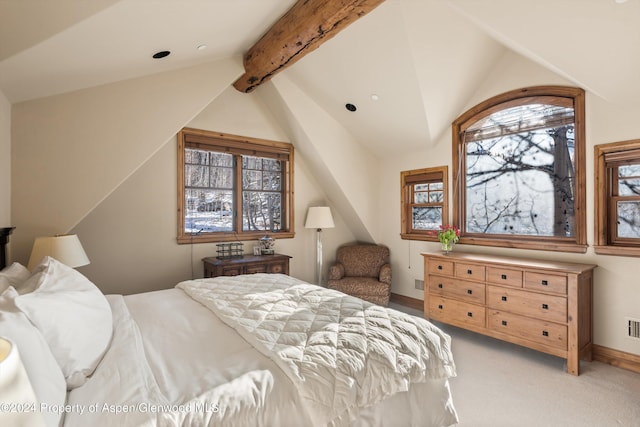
437,266
545,282
549,333
546,307
504,276
459,289
456,312
470,271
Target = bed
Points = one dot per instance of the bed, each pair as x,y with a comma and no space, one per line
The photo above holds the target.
253,350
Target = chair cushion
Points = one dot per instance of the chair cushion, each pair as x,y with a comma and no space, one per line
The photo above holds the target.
362,260
357,286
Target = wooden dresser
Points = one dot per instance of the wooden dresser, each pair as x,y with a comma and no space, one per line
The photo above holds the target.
543,305
246,264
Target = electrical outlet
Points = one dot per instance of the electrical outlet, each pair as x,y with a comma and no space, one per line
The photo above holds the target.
420,284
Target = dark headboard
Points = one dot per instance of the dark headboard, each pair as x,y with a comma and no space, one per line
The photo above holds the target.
4,239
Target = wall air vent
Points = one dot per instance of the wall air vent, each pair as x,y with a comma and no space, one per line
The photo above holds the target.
633,327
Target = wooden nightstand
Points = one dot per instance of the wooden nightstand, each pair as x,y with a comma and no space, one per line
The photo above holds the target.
246,264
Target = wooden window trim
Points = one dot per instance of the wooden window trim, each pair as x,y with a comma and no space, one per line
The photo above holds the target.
189,137
416,176
524,96
613,154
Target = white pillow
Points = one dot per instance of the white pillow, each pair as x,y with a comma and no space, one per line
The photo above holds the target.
15,274
73,316
42,368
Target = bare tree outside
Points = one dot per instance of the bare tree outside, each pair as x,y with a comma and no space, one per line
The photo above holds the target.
209,189
626,199
426,211
520,172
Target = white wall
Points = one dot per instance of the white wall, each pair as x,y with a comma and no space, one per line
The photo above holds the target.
131,236
70,151
5,161
616,286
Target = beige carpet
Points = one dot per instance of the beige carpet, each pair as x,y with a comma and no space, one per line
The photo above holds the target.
504,385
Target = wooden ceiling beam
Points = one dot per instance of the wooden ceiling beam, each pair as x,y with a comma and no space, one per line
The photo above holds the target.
301,30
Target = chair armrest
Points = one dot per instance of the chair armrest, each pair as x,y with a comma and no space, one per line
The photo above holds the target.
336,271
385,274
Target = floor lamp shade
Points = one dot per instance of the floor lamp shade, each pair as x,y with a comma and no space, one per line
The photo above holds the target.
66,248
319,217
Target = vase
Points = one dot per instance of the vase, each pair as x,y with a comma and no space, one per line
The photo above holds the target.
266,244
446,247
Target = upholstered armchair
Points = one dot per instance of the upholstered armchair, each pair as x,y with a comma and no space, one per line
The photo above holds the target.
362,271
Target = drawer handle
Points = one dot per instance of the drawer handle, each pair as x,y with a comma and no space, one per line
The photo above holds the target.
544,283
440,285
470,314
503,277
504,323
469,291
469,272
545,306
545,333
440,306
503,298
439,267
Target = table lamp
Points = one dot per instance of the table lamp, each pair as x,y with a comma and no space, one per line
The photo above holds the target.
65,248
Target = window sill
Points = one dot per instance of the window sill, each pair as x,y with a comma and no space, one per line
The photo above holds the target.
424,237
232,237
617,251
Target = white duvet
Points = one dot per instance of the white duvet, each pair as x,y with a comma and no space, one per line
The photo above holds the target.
341,352
173,362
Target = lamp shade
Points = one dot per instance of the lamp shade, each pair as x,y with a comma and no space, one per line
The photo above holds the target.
319,217
66,248
15,389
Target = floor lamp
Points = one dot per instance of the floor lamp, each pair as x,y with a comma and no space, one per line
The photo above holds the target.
319,217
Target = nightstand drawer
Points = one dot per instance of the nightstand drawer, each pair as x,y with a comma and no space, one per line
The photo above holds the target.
504,276
456,312
542,332
276,267
541,306
470,271
459,289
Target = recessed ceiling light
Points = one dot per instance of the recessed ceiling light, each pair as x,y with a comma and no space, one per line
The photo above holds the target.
202,47
161,54
350,107
620,1
374,97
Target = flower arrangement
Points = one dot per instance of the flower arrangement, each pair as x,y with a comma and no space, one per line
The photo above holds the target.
448,235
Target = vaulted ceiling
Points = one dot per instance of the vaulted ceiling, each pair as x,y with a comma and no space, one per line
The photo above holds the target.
422,59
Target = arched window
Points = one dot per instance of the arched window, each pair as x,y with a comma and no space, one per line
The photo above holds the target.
518,170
